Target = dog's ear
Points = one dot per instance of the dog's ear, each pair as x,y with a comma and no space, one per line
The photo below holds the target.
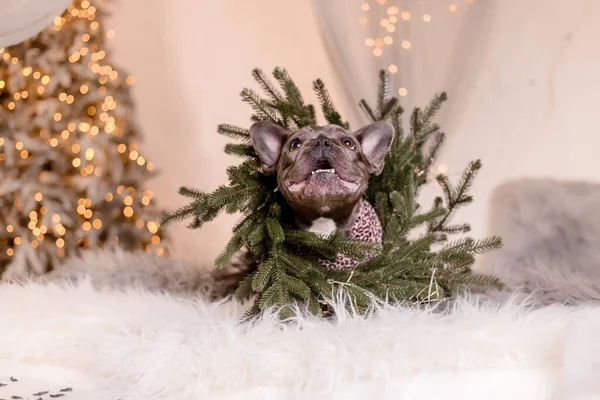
268,140
375,141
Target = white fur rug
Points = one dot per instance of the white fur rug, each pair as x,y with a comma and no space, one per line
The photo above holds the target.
133,344
96,342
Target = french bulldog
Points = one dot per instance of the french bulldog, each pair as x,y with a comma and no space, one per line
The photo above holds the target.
323,173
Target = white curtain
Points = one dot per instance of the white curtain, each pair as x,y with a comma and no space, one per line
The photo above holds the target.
523,79
22,19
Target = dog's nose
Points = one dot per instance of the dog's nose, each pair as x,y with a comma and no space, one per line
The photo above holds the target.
321,142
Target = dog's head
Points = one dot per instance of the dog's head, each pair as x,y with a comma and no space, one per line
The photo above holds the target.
322,171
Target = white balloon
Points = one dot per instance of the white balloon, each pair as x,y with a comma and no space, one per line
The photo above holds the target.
22,19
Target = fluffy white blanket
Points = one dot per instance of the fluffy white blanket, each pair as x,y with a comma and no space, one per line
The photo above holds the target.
133,344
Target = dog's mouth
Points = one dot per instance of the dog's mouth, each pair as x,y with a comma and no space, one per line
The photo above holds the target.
323,167
323,178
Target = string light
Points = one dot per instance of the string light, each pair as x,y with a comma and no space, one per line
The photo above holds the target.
393,68
427,18
406,44
405,15
402,91
128,211
452,7
152,227
10,252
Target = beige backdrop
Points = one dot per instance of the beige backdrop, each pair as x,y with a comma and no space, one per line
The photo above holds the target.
523,78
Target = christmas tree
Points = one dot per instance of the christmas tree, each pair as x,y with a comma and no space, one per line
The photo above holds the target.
425,268
70,168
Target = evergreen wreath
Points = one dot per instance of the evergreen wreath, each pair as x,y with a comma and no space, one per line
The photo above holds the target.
429,267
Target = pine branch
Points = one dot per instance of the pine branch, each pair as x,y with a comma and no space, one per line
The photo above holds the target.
286,264
266,85
329,111
234,132
367,109
383,94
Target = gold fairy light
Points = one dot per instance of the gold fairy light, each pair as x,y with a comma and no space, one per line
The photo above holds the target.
406,44
38,196
402,91
452,7
365,6
427,18
108,197
60,242
19,145
9,228
24,154
405,15
11,105
76,162
377,52
76,148
393,68
97,224
155,239
17,240
57,116
152,227
56,218
10,252
53,142
45,79
128,211
43,209
128,200
388,40
86,226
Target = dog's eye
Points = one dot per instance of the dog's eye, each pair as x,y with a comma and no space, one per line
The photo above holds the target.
295,144
348,143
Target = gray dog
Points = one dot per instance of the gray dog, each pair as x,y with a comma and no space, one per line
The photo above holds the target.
323,173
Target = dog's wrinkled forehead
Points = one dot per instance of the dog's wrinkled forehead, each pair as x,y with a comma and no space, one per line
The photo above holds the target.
330,131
